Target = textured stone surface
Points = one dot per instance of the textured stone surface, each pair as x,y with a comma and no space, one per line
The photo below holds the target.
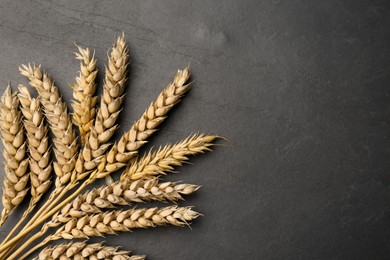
301,88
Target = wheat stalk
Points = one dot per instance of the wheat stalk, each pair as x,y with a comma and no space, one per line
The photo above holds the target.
38,144
123,193
110,106
84,93
16,162
131,141
82,250
65,140
138,182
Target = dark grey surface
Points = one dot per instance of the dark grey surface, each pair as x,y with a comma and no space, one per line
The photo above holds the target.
301,88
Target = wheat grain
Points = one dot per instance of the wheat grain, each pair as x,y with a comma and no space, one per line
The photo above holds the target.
110,106
124,193
16,162
65,140
82,250
84,93
38,144
117,221
131,141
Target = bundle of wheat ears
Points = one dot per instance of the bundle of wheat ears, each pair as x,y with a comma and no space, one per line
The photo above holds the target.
44,144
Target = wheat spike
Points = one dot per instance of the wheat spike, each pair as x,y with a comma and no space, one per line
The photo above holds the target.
164,159
131,141
65,140
38,144
110,106
82,250
16,162
124,193
84,93
117,221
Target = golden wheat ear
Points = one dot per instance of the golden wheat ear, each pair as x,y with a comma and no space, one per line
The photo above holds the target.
38,146
124,194
82,250
166,158
112,222
15,153
65,141
84,106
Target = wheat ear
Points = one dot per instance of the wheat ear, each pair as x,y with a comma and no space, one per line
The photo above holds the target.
65,140
82,250
165,158
118,220
38,144
16,162
110,106
84,93
123,193
128,145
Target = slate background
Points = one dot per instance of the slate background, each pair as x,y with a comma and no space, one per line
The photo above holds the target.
301,88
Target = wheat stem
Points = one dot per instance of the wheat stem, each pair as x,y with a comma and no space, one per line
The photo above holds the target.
27,243
32,250
7,251
19,223
56,196
43,210
40,219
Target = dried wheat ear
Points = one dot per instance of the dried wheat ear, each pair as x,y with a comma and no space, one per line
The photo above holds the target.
83,151
82,250
15,153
